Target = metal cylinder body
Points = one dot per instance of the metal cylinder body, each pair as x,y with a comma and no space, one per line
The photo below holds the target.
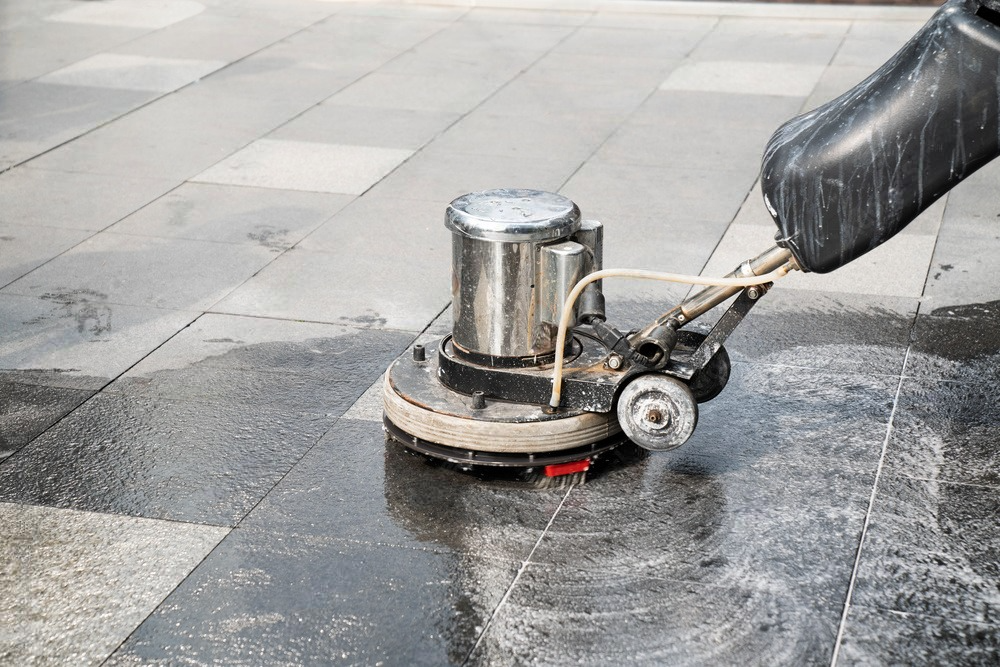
514,259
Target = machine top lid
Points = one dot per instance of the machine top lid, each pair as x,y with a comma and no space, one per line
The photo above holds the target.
513,215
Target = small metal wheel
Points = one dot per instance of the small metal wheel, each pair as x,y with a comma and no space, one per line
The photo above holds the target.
708,382
657,412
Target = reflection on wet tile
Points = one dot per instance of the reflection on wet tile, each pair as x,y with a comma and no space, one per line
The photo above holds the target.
957,342
561,615
875,637
27,410
200,443
932,548
356,486
269,598
75,584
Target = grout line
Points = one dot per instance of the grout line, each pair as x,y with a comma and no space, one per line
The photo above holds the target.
517,577
868,514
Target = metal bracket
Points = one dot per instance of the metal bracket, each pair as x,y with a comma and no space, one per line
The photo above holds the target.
726,325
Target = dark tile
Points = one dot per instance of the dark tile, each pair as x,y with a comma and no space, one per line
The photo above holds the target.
932,548
959,342
697,519
202,443
874,637
27,410
948,431
561,615
357,486
270,599
775,415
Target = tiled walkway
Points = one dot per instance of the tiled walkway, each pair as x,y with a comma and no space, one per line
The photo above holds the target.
221,220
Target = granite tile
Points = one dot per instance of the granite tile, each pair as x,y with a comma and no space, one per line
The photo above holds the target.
148,14
710,110
747,77
68,200
116,269
32,48
358,486
79,583
23,248
366,126
274,219
26,410
875,637
636,42
80,337
420,92
132,72
932,549
307,166
272,599
385,222
567,616
536,94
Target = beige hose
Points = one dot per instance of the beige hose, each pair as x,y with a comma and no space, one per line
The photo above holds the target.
567,312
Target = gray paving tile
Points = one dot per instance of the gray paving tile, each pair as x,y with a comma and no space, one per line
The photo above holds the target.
366,126
132,72
133,14
275,219
357,486
420,92
79,336
608,17
441,176
519,16
931,549
67,200
747,77
712,110
175,137
653,196
534,94
130,565
864,49
955,343
23,247
947,431
972,205
759,44
875,637
35,117
566,616
32,48
26,410
204,442
388,222
307,166
294,13
477,36
836,80
960,272
273,600
324,287
209,37
571,137
601,69
706,146
117,269
636,42
290,80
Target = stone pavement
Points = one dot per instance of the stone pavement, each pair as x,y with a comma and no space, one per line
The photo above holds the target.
221,220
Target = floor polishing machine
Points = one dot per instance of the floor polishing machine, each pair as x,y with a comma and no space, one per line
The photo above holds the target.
534,377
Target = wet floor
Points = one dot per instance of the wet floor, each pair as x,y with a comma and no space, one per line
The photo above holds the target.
195,319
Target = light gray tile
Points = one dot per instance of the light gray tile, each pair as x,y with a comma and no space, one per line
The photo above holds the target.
389,220
35,117
440,176
36,48
131,72
514,15
571,137
601,69
768,46
209,37
73,200
366,126
309,166
755,78
836,80
529,95
421,92
78,583
131,13
896,268
275,219
636,43
607,17
23,247
340,287
76,333
146,271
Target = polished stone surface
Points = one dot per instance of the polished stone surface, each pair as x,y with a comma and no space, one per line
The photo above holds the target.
220,221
